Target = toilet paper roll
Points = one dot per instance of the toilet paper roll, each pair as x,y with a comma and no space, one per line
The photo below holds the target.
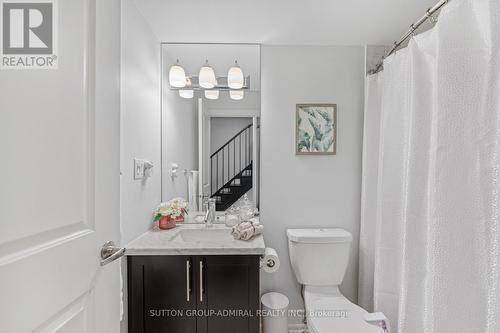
270,263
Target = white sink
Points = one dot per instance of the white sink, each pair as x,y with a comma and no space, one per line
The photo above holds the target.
194,239
205,235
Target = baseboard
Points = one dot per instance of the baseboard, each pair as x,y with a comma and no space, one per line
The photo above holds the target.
297,328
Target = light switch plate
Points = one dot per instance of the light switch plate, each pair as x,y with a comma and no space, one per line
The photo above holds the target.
138,168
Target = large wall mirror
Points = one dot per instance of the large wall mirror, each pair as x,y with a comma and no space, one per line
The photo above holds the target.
210,123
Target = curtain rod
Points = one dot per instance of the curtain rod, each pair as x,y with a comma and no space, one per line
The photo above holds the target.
410,32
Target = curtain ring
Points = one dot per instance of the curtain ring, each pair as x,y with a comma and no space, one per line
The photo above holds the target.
395,48
431,17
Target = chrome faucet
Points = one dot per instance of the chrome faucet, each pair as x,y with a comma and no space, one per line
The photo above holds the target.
210,215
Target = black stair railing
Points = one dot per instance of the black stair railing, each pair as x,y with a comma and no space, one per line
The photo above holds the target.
231,159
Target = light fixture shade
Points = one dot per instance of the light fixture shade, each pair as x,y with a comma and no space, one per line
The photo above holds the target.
177,76
236,94
206,77
212,94
235,77
186,93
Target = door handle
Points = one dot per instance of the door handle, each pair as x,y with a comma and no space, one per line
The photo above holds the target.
201,281
109,252
188,279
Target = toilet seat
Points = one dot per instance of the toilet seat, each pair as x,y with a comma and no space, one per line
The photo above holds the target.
328,311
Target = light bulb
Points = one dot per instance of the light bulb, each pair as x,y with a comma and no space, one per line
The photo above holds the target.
235,77
236,94
206,77
177,76
212,94
186,93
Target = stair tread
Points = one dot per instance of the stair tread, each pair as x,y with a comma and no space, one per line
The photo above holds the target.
228,200
234,189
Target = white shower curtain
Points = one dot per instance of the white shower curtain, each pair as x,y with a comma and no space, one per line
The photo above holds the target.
430,235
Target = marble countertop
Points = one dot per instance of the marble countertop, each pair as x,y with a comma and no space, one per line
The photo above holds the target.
194,239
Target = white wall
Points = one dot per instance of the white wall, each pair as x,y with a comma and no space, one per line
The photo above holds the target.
373,55
249,106
310,191
179,140
224,128
140,121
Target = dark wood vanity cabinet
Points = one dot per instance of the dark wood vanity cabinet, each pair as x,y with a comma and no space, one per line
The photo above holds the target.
157,284
193,294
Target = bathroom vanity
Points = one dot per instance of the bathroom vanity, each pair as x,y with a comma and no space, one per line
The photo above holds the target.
193,279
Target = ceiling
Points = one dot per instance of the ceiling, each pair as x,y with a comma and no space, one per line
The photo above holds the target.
282,22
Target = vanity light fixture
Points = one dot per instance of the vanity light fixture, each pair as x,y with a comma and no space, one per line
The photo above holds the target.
235,77
207,82
206,77
177,76
212,94
236,94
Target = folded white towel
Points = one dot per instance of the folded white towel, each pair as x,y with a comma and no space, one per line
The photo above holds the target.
246,233
247,229
236,233
251,232
247,224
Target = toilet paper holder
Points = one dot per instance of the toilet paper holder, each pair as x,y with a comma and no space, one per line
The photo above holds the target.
270,262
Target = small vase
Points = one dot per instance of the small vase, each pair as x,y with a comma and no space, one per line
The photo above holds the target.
167,222
180,219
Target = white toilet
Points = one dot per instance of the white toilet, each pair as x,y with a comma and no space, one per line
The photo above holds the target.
319,260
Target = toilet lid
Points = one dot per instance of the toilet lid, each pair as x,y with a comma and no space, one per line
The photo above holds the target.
338,315
318,236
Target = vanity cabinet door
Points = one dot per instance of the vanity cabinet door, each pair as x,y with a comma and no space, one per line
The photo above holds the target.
228,293
161,294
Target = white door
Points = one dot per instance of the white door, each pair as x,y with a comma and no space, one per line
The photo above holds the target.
59,187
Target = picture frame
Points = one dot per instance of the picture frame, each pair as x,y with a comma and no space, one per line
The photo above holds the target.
316,129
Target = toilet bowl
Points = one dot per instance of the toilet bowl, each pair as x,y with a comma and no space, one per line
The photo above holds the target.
319,259
329,311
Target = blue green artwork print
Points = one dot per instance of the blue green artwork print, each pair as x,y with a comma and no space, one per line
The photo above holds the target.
316,132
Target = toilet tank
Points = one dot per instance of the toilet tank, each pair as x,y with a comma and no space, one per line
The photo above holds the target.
319,257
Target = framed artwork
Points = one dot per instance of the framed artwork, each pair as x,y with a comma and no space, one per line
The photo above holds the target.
316,129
